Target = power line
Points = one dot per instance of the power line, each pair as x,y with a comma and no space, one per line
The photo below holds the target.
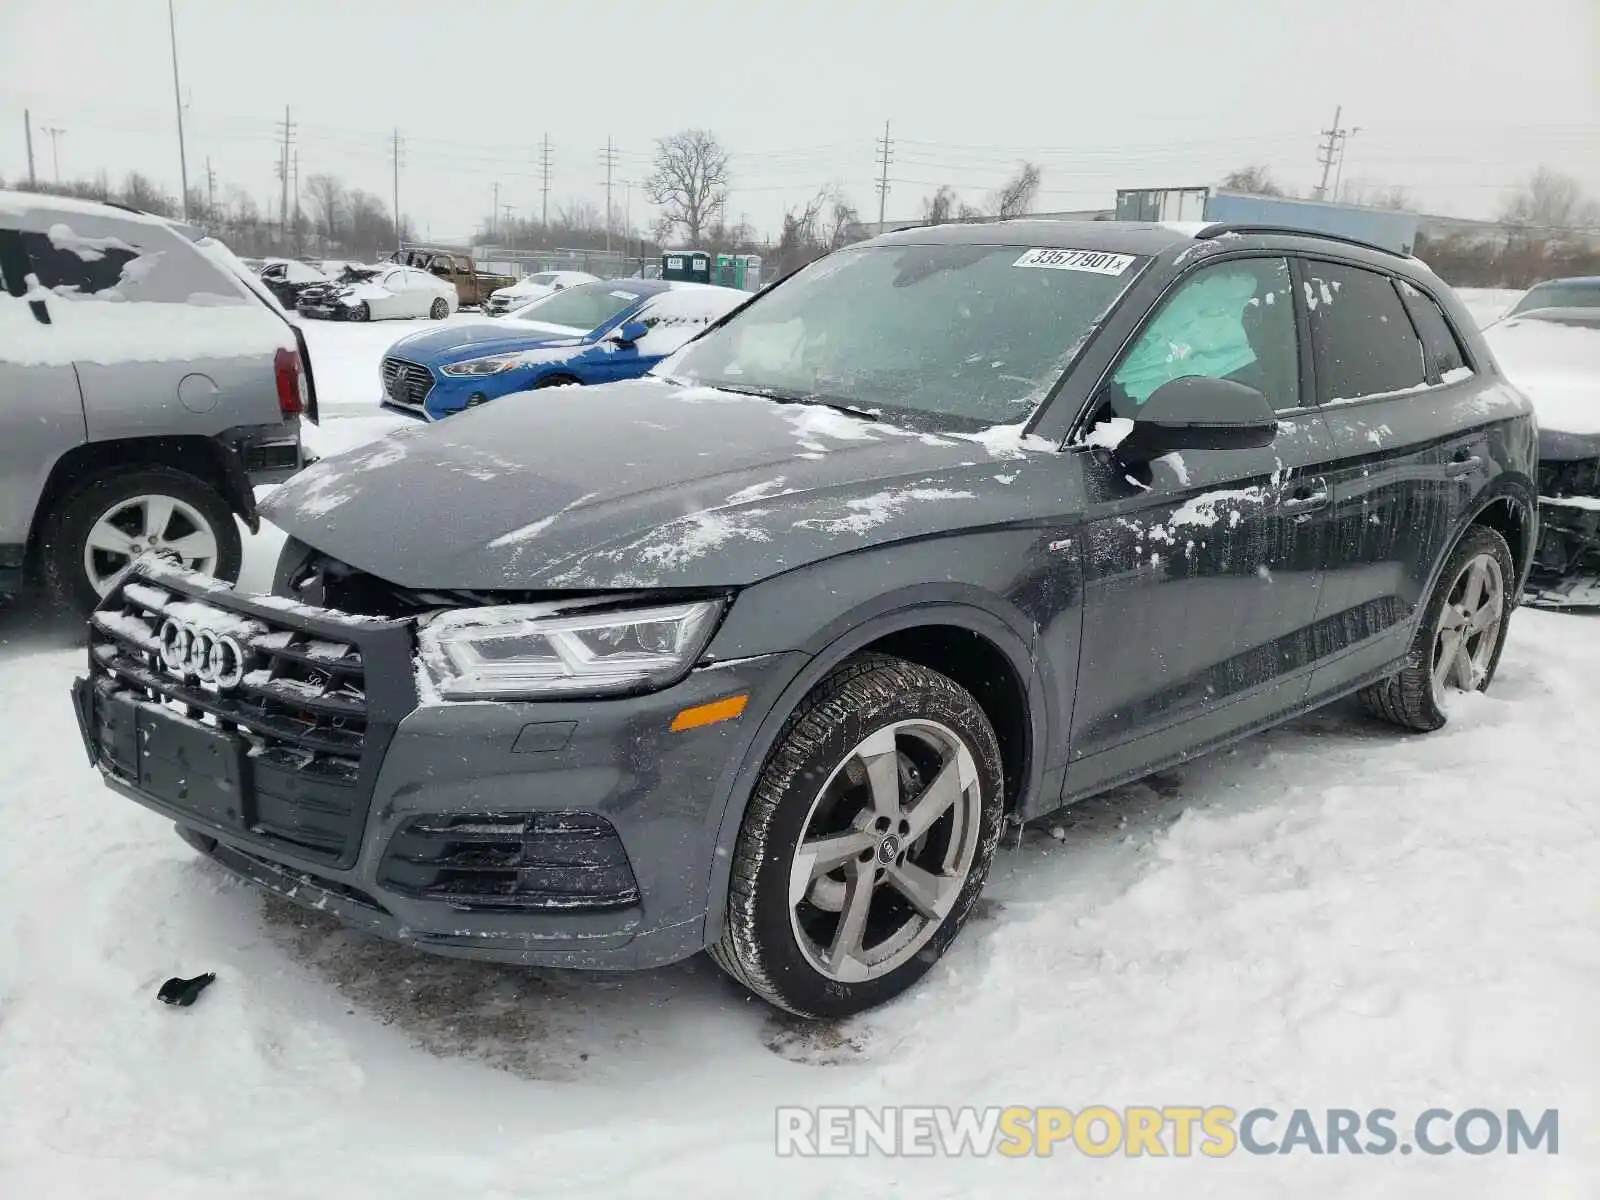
885,155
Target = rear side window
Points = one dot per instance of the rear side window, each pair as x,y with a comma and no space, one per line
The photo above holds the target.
1362,340
1439,340
76,265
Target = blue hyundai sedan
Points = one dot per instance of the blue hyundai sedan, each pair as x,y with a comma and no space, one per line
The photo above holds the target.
590,333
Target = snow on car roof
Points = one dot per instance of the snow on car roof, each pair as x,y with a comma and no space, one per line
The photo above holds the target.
20,202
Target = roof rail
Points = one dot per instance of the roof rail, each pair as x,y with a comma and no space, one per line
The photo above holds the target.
1218,228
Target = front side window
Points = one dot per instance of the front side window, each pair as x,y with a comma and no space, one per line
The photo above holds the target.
960,336
1361,338
1234,320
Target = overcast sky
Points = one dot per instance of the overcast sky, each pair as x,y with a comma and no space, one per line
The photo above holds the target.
1455,100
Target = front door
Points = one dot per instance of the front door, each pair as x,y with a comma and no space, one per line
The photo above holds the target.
1202,579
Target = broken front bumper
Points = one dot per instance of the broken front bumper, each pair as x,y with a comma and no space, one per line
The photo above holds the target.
1566,565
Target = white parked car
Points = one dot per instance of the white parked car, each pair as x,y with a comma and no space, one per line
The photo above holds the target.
533,287
392,292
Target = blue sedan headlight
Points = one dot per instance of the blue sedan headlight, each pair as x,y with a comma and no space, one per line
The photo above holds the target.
493,365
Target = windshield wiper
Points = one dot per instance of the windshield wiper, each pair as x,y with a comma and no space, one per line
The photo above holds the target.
795,396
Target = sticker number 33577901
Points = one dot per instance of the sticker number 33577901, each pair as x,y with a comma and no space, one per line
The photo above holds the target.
1097,261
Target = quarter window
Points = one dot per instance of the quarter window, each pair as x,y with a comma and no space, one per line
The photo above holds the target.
1362,341
1438,338
1234,320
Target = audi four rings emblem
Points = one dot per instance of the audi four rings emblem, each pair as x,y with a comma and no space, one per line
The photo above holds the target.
212,657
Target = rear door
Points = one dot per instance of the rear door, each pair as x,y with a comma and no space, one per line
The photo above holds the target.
1202,579
41,408
1406,464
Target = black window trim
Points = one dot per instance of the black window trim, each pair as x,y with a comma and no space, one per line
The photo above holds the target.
1429,378
1076,429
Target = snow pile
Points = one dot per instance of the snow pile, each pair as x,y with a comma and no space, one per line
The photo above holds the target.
1558,366
1330,915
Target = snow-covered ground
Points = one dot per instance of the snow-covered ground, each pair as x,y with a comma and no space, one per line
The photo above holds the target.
1332,915
1488,304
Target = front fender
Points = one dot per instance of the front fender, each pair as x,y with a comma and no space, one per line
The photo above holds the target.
854,619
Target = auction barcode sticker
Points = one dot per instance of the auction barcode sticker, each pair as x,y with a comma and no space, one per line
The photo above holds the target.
1097,261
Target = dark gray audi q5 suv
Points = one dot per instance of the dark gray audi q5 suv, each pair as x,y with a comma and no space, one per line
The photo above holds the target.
759,654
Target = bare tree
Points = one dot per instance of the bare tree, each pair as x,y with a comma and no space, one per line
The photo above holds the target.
325,194
1553,200
1254,179
939,207
141,192
579,216
690,181
1395,198
1016,196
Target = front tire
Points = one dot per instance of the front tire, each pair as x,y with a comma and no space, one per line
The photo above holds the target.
866,841
359,312
1459,638
102,526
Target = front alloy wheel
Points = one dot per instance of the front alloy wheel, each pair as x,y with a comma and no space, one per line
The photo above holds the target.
866,841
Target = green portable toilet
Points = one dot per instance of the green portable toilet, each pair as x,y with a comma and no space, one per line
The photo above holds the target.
692,266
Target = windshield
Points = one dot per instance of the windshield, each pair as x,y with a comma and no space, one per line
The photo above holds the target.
971,335
585,307
1560,295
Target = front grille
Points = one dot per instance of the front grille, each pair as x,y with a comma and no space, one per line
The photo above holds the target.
315,700
406,383
512,862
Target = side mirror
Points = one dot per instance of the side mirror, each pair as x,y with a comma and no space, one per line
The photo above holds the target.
1195,413
628,333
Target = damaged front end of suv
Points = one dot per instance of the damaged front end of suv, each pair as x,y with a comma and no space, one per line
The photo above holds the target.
1566,565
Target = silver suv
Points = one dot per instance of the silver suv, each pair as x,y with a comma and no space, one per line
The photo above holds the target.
147,384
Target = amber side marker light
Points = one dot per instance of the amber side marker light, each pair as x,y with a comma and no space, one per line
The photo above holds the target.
726,709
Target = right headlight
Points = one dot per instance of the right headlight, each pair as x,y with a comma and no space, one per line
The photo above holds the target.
519,651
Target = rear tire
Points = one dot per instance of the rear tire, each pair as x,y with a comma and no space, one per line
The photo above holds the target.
866,841
439,309
201,521
1457,647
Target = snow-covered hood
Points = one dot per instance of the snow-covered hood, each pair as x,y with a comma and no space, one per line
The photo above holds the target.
1557,366
647,484
455,342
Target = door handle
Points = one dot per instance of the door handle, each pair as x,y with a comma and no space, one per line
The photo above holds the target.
1462,463
1306,497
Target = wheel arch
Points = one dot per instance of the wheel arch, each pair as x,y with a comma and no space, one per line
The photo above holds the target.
966,642
202,457
1508,507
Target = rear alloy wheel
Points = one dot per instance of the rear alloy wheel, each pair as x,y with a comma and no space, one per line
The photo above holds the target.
1459,639
101,528
439,310
866,842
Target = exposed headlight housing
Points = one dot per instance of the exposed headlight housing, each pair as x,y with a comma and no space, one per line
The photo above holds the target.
530,652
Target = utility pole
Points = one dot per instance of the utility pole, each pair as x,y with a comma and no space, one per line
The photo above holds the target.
297,244
177,97
1338,174
544,188
211,191
885,154
283,174
609,157
494,212
397,190
27,129
1327,150
55,158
